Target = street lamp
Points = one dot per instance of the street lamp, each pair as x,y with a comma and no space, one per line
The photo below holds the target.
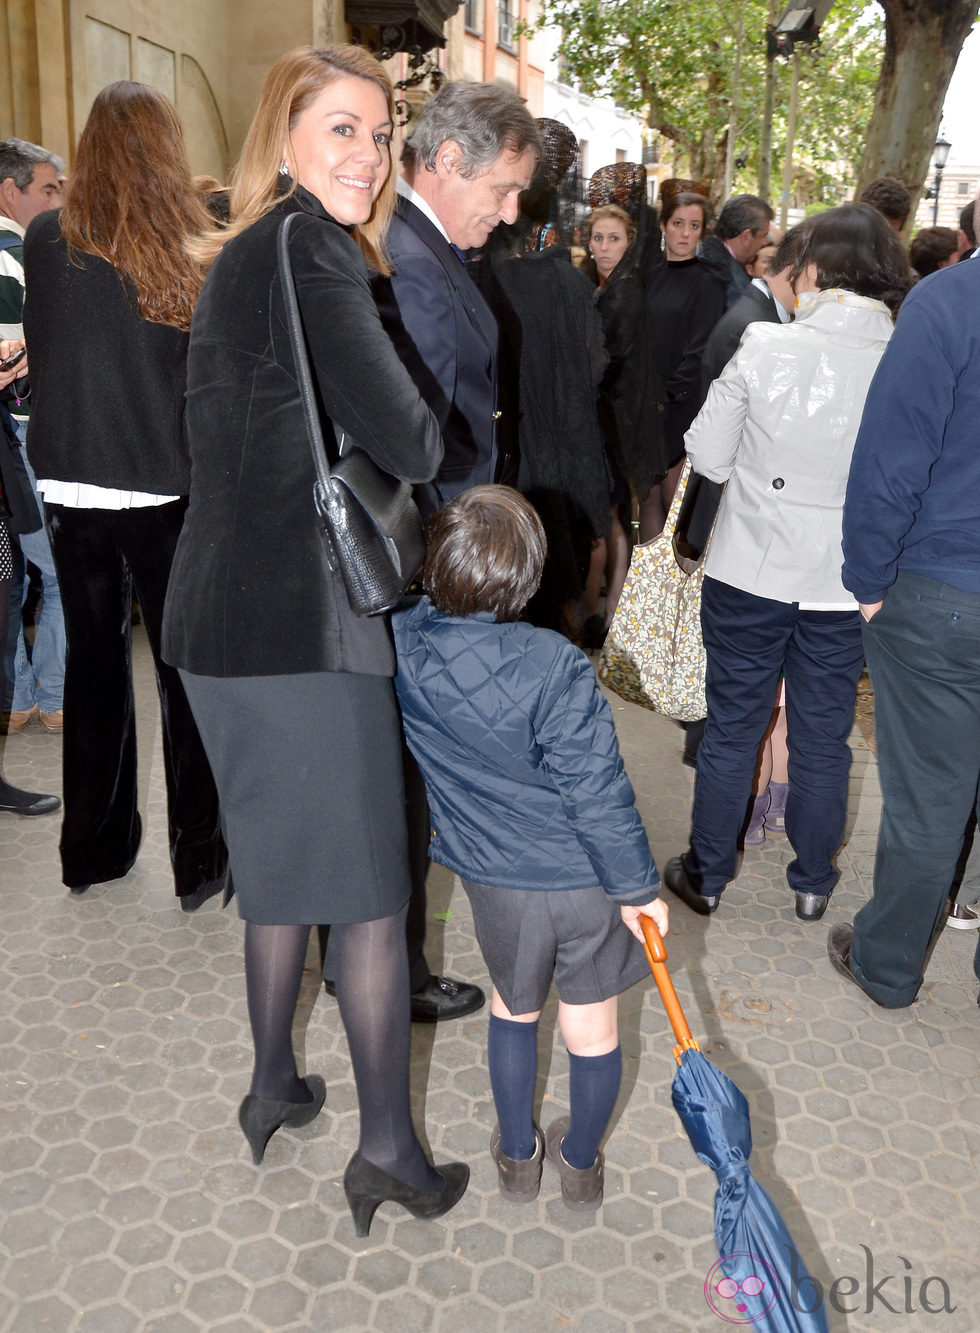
940,158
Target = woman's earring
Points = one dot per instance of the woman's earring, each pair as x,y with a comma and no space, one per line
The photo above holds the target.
284,168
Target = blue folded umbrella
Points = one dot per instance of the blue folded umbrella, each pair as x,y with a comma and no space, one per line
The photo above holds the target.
760,1279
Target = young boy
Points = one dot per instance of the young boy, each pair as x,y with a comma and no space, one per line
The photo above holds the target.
532,808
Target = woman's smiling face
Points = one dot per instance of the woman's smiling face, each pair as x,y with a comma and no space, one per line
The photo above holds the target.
341,145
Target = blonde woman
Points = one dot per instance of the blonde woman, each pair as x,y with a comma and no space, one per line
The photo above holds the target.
291,690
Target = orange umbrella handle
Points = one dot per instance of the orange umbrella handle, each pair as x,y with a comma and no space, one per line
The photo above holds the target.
653,945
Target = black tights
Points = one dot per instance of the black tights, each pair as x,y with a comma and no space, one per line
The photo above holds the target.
370,966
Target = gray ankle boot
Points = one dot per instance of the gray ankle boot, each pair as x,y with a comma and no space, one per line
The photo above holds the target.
776,814
581,1187
519,1180
755,829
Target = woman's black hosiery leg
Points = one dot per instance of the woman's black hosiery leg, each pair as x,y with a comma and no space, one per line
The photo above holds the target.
371,975
274,957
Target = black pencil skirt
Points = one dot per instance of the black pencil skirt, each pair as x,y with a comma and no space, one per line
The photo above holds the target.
309,775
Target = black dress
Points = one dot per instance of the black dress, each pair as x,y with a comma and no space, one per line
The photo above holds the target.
632,393
686,300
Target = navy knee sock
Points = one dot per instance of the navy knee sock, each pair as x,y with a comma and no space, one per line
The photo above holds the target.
593,1087
512,1053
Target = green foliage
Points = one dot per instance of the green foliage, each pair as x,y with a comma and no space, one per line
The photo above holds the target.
674,61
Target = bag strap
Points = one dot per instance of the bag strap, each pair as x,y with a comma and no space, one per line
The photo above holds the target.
675,507
304,376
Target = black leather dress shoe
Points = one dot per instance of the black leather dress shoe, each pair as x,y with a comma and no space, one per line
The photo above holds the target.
811,906
442,997
839,941
79,889
675,877
17,802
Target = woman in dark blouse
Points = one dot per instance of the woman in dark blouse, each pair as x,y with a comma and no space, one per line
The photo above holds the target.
687,300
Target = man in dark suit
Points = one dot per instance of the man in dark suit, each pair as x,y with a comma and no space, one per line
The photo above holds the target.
473,151
739,235
770,300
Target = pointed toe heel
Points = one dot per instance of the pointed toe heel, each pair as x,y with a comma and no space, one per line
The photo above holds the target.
367,1186
260,1117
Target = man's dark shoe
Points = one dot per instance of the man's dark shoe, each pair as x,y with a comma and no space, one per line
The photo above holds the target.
442,997
839,941
811,906
675,877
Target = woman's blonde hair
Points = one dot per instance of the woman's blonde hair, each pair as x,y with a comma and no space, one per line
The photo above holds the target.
618,214
132,202
293,82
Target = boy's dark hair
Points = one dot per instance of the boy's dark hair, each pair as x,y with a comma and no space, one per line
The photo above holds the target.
932,246
890,197
485,552
854,247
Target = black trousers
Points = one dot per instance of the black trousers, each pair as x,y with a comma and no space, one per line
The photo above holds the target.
923,650
102,557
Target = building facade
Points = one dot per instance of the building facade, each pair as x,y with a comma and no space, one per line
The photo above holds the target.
210,57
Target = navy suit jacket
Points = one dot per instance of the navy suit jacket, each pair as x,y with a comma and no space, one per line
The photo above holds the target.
446,335
752,307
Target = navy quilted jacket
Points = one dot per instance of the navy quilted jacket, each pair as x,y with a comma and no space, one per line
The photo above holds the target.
520,758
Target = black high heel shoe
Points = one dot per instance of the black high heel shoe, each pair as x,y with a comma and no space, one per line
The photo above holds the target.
367,1186
260,1117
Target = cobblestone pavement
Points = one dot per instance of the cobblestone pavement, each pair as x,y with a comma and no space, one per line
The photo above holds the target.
129,1201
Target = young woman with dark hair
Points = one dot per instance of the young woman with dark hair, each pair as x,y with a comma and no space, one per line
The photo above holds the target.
687,300
110,292
778,426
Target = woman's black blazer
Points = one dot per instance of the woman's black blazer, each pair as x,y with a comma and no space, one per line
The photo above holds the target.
250,592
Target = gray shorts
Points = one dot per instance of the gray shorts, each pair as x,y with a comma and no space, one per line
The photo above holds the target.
576,936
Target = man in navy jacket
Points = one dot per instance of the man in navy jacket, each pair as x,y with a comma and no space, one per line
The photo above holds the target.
473,150
911,543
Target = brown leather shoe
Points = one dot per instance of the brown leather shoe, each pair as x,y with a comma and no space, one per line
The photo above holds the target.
17,721
839,942
581,1187
964,916
519,1180
53,722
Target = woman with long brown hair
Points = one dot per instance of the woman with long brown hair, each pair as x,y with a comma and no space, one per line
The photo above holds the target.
110,295
292,691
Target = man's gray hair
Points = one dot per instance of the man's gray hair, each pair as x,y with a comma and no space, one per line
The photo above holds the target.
741,211
18,160
483,119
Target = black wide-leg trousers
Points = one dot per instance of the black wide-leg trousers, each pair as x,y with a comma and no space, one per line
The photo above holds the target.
103,557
